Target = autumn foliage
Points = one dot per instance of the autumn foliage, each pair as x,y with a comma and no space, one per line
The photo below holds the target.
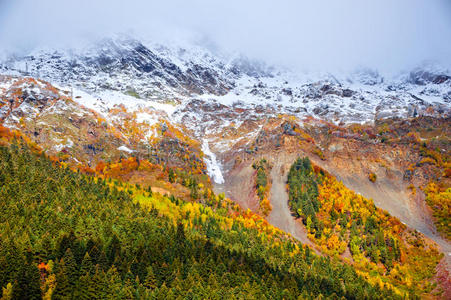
339,221
263,185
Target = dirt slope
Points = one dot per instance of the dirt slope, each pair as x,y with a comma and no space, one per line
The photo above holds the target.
239,187
280,215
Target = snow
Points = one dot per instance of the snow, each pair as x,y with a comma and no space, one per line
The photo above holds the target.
367,102
29,111
4,85
115,98
213,167
125,149
151,133
87,100
147,118
68,144
104,100
251,85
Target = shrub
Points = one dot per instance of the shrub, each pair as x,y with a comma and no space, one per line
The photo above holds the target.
372,177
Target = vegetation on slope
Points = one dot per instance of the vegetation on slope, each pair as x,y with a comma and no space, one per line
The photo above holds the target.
339,220
420,147
438,196
68,235
166,180
263,185
438,190
431,139
303,192
74,133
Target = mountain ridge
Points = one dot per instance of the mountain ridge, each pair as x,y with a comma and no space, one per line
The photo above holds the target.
163,73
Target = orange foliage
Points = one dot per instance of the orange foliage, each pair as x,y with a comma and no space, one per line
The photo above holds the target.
372,177
86,169
43,267
100,167
447,173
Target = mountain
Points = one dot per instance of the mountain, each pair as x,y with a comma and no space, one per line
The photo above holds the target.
183,73
226,132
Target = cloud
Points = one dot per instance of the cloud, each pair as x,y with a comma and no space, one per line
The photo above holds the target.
318,35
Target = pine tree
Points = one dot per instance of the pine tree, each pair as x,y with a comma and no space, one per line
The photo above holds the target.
86,265
129,288
150,281
63,289
163,291
113,284
113,249
27,285
70,266
180,235
83,289
171,176
65,242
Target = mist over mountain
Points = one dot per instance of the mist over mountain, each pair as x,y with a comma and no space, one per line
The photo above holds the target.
325,35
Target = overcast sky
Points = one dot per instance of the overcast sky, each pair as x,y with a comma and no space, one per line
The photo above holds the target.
317,34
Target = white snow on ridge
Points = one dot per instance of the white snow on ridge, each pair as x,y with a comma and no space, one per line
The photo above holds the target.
326,99
213,167
115,98
125,149
147,118
107,99
362,96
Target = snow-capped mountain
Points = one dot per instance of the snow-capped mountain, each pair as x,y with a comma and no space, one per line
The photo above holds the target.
121,91
134,73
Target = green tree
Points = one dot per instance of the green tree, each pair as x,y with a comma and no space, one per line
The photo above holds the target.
87,266
150,281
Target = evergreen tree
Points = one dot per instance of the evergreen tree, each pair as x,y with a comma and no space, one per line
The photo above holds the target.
27,284
113,249
63,289
88,222
150,281
87,266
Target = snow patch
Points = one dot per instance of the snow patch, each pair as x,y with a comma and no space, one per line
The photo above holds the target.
213,167
105,100
125,149
146,118
69,144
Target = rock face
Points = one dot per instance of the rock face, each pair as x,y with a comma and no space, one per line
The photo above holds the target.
347,93
288,129
109,62
423,77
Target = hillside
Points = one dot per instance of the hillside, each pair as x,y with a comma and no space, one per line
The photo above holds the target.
65,234
180,171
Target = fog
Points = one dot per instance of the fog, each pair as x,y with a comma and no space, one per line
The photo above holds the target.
388,35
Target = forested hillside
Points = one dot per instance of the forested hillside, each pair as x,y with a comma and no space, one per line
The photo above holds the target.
68,235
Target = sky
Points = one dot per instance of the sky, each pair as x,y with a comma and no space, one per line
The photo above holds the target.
388,35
